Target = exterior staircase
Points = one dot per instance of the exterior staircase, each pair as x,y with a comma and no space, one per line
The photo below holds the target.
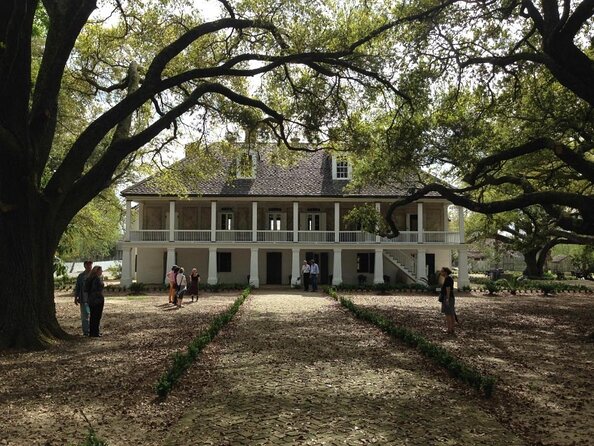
404,262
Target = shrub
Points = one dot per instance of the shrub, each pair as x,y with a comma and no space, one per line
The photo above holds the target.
492,287
137,288
548,288
92,439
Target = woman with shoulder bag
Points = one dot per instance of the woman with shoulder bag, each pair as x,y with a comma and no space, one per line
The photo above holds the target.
94,288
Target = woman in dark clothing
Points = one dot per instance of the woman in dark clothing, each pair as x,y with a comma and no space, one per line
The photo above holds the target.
448,301
193,288
94,288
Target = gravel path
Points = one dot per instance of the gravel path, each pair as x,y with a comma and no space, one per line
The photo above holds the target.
297,369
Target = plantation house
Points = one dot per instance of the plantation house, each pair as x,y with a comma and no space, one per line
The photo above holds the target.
259,226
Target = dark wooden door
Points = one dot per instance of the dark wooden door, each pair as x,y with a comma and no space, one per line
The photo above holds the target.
274,268
430,262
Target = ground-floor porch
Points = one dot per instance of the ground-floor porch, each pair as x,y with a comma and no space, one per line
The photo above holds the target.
282,265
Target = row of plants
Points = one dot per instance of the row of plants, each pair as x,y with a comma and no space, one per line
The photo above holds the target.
547,288
384,288
482,383
182,361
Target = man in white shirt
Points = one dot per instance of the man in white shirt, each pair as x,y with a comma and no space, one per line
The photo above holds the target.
314,272
305,275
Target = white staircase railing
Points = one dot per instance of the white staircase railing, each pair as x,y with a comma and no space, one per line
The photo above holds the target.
403,261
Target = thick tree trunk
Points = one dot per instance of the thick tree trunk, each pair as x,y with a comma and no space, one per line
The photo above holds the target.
27,309
534,268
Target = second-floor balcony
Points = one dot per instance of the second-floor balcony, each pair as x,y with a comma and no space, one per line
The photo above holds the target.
315,237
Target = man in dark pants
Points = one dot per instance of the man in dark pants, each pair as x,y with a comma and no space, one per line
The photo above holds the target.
314,272
305,274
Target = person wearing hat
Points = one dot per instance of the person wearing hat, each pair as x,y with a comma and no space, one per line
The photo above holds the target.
172,283
305,275
314,272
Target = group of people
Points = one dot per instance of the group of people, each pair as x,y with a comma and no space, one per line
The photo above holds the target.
309,275
88,295
180,285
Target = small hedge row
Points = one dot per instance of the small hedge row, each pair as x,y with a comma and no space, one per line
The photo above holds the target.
546,287
482,383
182,361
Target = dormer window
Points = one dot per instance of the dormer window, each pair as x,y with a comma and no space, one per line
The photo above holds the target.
341,169
246,166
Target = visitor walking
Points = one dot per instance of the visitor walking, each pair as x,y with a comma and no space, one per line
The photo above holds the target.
94,289
80,296
182,285
305,274
193,288
172,283
447,299
314,272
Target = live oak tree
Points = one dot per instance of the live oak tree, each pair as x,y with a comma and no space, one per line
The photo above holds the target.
512,96
85,95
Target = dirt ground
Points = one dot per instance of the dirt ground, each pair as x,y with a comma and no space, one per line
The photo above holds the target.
110,379
538,348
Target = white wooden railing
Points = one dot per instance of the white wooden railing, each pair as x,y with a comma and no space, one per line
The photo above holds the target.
316,236
192,236
404,259
149,235
275,236
204,236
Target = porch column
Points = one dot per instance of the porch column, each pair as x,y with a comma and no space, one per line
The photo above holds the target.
378,272
421,264
128,220
337,267
172,221
213,221
170,260
446,218
254,279
140,216
461,223
254,221
213,275
463,279
295,267
336,222
126,279
295,221
378,209
420,219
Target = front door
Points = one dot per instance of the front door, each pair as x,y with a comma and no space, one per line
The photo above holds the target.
274,268
430,262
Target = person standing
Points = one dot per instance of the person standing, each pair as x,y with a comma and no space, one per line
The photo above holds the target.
94,289
80,296
314,272
305,275
172,283
182,285
193,288
448,301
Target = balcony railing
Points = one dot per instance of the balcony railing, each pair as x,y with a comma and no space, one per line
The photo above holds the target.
149,235
354,237
275,236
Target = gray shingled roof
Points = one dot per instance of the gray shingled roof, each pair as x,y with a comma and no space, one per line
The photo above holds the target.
311,176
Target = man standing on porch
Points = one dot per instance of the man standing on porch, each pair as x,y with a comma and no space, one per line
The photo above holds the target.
305,274
314,271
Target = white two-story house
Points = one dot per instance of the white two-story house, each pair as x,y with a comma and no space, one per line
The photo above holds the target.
260,227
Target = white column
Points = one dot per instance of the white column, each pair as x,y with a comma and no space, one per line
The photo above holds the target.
461,223
254,221
336,223
213,276
128,220
378,209
446,218
126,279
213,221
295,221
421,264
254,279
378,273
140,216
420,219
172,221
295,267
170,260
337,267
463,279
